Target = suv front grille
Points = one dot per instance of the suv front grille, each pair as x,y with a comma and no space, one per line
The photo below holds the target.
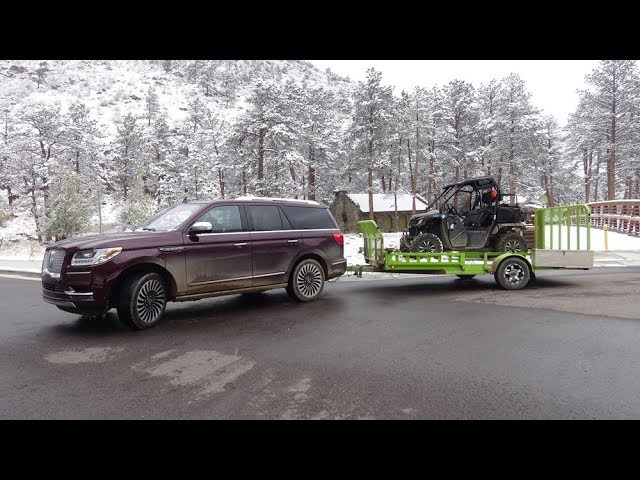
56,258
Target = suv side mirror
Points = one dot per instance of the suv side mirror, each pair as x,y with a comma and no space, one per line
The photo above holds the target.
200,227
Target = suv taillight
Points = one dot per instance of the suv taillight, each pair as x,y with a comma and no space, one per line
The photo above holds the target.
338,237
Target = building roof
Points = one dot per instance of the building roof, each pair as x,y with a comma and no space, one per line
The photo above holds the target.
384,202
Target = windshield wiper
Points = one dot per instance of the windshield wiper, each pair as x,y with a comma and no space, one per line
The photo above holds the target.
148,228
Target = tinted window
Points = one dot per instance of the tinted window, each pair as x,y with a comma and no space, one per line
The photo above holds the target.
306,218
264,217
223,219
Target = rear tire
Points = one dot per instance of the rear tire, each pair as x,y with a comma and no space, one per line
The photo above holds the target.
512,243
426,243
513,273
142,301
306,281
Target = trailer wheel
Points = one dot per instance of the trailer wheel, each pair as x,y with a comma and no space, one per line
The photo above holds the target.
513,273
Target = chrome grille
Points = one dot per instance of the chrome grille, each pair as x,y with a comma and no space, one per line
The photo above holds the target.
56,258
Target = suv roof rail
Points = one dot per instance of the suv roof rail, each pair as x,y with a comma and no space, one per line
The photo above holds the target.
276,199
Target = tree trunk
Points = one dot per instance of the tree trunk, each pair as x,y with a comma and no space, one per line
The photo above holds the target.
312,174
312,183
611,160
244,181
370,182
414,186
221,181
261,137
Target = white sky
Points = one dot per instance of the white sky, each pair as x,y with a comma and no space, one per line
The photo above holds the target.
552,83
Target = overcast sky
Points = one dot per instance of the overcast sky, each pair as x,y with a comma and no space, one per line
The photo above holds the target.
552,83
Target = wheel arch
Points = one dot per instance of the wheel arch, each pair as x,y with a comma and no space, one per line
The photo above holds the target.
498,260
313,255
139,268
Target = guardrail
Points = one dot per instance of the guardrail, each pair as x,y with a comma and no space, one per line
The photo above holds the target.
622,216
554,226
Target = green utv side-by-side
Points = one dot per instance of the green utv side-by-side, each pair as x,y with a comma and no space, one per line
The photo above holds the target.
467,216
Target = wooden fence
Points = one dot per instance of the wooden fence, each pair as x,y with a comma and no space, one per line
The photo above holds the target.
622,216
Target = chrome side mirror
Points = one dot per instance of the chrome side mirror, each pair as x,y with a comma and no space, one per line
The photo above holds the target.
200,227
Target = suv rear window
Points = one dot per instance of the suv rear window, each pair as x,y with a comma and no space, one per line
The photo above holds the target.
307,218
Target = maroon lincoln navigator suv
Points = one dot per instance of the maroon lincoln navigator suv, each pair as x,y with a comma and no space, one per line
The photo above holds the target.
196,250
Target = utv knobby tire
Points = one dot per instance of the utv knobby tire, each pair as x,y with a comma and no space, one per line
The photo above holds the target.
512,243
306,281
142,300
513,273
426,243
405,244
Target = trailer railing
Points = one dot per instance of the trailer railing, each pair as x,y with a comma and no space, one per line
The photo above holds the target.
373,242
563,228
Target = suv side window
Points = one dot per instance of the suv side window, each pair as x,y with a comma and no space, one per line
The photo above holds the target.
264,217
309,218
223,219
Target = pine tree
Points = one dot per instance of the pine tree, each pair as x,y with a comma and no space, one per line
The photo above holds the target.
373,105
70,208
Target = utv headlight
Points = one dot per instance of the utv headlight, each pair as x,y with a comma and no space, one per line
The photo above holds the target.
94,256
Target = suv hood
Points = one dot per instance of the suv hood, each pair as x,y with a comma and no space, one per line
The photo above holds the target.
126,240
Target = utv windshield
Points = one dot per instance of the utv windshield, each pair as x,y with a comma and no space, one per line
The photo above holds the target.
170,218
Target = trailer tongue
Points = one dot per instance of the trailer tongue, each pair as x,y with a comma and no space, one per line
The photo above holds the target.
562,241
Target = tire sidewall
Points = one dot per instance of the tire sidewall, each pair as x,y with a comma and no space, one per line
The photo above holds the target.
434,238
293,285
508,237
501,270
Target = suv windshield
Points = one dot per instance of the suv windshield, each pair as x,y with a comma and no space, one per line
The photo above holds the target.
170,218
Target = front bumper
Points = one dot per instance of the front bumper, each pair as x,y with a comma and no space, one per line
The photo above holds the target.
74,290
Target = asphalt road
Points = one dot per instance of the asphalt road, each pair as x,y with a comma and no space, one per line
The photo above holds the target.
418,347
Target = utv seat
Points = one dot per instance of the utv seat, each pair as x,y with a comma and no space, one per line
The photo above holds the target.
478,219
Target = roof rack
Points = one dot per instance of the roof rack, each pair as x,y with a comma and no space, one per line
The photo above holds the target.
276,199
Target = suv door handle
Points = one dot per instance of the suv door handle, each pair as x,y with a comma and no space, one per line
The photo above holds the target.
292,241
239,244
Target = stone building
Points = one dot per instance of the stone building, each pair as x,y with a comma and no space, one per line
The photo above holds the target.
349,208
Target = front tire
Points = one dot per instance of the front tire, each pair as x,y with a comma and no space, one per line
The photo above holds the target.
426,243
143,299
306,281
405,244
512,243
513,273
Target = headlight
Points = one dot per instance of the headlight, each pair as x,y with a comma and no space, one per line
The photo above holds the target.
94,257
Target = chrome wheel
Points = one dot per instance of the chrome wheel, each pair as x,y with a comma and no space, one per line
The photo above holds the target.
150,301
309,280
306,281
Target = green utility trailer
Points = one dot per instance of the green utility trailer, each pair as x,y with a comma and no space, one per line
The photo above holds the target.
562,241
